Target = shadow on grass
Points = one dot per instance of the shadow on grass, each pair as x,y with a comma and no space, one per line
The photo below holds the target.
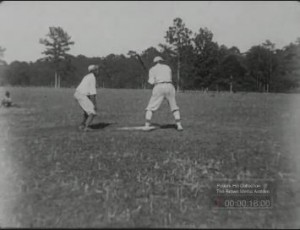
100,125
165,126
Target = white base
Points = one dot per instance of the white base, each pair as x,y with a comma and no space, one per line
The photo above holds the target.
144,128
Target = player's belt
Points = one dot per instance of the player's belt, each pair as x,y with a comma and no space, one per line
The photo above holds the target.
163,82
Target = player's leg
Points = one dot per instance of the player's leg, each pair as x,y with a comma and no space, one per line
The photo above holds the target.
85,117
176,115
173,106
154,103
78,98
90,110
88,122
148,117
88,107
8,104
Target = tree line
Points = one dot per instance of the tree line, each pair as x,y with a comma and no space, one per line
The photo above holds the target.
198,63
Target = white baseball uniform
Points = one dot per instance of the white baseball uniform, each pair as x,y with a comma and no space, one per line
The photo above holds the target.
161,76
86,88
6,101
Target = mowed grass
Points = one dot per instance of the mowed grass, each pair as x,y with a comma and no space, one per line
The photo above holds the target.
61,177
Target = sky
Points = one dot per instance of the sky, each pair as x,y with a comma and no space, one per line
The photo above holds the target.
101,28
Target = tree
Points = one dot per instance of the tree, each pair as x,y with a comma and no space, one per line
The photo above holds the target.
57,46
256,65
289,66
178,36
2,67
2,50
18,73
270,47
232,71
262,64
207,59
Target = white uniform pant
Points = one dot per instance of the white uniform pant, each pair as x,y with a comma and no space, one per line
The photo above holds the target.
160,92
85,103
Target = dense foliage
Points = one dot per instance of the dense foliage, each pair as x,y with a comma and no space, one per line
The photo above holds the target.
198,62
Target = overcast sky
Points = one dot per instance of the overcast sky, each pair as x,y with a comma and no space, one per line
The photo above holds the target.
102,28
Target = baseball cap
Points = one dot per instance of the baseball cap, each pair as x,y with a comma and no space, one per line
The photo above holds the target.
157,59
92,67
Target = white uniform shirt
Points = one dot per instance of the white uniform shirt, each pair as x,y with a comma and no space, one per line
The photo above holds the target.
6,99
160,73
88,85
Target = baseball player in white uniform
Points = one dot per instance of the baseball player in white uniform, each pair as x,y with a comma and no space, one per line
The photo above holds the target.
85,95
6,101
160,75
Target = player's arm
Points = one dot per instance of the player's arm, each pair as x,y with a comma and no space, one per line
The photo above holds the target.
151,77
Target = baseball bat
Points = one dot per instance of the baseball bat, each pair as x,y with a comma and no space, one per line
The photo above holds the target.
142,63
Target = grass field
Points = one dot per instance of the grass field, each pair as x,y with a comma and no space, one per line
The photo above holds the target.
54,176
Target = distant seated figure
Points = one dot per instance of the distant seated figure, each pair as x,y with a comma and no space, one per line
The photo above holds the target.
6,101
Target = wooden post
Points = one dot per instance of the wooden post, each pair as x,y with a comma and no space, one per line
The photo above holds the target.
55,80
231,84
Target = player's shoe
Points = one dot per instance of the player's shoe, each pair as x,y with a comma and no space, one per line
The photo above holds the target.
81,127
87,129
179,128
148,127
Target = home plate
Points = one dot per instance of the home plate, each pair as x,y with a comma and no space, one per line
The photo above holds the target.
143,128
